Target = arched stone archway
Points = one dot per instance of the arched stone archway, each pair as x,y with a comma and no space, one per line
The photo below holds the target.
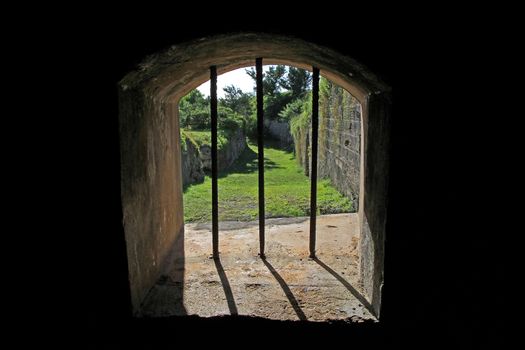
151,181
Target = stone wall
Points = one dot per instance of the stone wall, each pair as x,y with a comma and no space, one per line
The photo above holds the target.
339,141
280,131
197,159
192,170
226,156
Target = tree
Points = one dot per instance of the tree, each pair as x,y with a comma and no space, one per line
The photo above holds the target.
281,86
273,79
298,82
237,100
194,111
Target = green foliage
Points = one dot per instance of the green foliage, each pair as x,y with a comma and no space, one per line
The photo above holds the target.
297,82
281,86
325,93
189,136
228,123
228,120
287,189
234,111
292,110
237,100
200,137
241,105
324,88
203,137
251,123
274,104
299,127
273,79
194,111
183,138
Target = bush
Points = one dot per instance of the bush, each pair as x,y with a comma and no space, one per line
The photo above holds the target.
274,104
228,120
194,111
291,110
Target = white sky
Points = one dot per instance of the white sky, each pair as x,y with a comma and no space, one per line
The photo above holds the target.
237,77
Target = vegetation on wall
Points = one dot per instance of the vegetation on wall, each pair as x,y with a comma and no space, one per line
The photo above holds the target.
203,137
300,120
325,90
332,101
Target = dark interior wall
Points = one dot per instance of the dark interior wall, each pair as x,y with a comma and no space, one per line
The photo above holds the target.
376,182
429,176
151,188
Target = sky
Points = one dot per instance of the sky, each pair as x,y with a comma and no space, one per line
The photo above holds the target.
237,77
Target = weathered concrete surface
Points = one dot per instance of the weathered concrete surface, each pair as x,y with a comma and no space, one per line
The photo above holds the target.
286,286
151,187
374,185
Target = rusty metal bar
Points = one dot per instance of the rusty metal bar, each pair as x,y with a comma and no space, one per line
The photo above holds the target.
214,187
260,149
313,175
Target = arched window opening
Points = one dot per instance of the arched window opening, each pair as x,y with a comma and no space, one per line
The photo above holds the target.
265,268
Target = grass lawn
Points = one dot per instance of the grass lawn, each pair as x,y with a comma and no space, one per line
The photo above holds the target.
287,190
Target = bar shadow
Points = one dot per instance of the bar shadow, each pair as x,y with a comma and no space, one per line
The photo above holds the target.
287,291
227,288
347,285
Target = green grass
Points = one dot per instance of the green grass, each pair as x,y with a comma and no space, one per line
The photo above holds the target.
287,190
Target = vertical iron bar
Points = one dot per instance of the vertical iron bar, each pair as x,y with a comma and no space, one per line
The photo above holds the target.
214,189
313,176
260,148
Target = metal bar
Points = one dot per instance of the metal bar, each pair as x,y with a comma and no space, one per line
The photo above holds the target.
313,176
260,149
214,189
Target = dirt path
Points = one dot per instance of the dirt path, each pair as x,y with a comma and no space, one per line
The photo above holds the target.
285,286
